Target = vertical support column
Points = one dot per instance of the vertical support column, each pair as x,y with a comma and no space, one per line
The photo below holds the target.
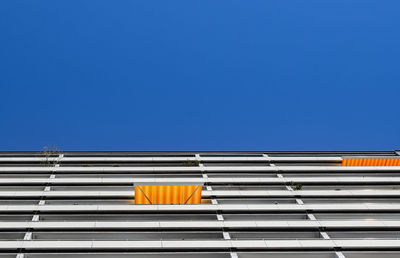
340,255
36,217
197,155
205,176
288,187
213,200
310,216
324,235
299,201
226,235
278,174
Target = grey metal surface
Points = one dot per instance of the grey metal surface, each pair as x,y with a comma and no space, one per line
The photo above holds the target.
255,204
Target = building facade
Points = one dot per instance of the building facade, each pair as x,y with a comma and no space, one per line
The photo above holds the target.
200,204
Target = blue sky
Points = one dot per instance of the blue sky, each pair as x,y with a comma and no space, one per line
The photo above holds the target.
200,75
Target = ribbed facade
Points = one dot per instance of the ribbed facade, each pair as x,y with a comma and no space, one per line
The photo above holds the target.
253,204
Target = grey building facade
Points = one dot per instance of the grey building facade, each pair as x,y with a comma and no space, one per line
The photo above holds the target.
253,204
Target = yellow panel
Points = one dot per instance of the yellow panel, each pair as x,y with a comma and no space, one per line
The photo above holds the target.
168,194
371,162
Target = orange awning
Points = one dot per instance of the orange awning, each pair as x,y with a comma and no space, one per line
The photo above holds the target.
168,194
371,162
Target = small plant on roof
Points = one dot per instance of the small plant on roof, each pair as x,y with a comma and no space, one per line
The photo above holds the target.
296,187
51,156
191,163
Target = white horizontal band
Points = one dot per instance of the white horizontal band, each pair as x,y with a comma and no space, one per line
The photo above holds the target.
186,225
202,207
301,169
206,193
171,159
198,244
199,180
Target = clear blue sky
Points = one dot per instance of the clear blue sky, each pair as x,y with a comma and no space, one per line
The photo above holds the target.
200,75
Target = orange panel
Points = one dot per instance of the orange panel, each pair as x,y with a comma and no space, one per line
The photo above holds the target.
185,194
140,196
168,194
371,162
191,191
197,196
